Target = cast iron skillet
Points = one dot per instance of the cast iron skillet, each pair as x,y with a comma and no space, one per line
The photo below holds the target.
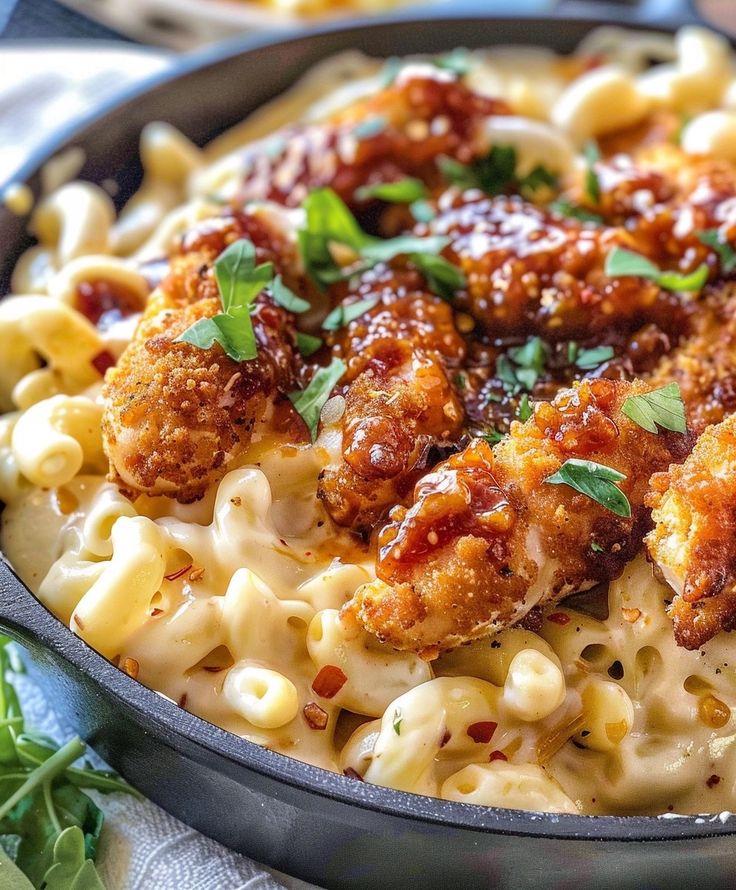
333,830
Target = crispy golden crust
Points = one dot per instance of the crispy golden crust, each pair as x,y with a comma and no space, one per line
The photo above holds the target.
694,539
416,119
486,539
176,415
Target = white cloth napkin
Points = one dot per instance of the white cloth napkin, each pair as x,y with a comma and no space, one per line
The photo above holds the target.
142,847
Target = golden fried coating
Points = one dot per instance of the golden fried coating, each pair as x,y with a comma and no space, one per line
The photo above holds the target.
398,132
176,416
694,540
486,539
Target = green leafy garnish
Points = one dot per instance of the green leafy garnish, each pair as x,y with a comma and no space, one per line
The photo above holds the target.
495,173
621,263
525,410
588,359
307,344
726,253
404,191
329,221
596,547
422,211
565,208
234,333
592,156
661,407
596,482
309,402
491,435
55,825
342,315
397,721
520,368
370,127
457,61
443,278
286,297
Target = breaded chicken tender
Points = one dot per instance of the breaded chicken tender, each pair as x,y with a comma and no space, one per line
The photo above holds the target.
176,415
398,132
694,540
486,538
400,401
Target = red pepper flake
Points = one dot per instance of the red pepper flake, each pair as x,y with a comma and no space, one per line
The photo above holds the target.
497,755
315,716
352,773
329,681
445,738
559,618
156,612
713,781
482,732
174,575
102,361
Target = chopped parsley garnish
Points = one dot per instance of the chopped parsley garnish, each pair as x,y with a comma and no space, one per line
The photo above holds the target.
460,380
588,359
621,263
397,721
403,191
565,208
422,211
496,173
307,344
661,407
240,281
342,315
520,368
370,127
525,410
592,156
457,61
309,402
596,547
726,253
329,221
491,435
594,481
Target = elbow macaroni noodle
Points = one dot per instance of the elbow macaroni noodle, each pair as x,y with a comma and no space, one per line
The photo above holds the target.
230,606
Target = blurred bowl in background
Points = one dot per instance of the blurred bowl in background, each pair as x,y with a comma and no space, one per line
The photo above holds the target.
185,24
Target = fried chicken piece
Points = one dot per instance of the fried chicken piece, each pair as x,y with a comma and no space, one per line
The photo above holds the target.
530,271
486,539
176,416
705,364
694,539
400,402
400,131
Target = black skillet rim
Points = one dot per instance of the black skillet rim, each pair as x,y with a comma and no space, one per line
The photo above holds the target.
171,720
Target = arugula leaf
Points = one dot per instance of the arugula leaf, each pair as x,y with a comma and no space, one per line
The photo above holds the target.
528,365
233,332
565,208
286,297
404,191
70,868
342,315
238,278
592,156
11,877
525,410
726,253
309,402
596,481
330,221
307,344
588,359
661,407
621,263
443,278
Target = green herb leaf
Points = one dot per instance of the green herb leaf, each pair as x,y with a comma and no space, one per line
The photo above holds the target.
661,407
525,410
70,868
286,297
592,156
422,211
238,278
538,177
342,315
458,61
397,721
404,191
390,71
588,359
491,435
621,263
565,208
307,344
493,174
596,547
520,368
11,877
596,482
309,402
443,278
726,253
234,333
370,127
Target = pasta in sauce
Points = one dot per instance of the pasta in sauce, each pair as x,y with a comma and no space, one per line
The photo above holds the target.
310,584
